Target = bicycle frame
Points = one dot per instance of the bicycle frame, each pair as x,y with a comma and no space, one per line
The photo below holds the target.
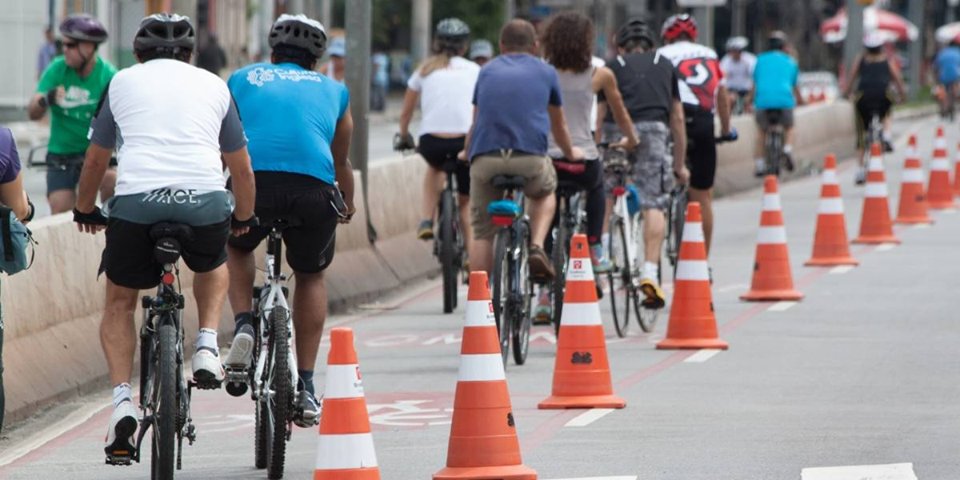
272,295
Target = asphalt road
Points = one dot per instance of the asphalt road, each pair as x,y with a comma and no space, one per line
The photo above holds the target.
862,372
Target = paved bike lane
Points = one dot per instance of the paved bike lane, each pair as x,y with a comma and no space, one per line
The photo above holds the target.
857,373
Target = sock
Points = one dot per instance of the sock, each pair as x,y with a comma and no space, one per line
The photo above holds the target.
787,149
650,270
306,381
242,319
122,393
605,241
207,339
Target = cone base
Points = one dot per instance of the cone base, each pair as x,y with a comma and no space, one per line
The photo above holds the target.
771,295
554,402
876,240
692,344
913,220
369,473
941,205
508,472
831,262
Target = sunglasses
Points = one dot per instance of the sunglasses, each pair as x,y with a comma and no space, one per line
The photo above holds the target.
69,45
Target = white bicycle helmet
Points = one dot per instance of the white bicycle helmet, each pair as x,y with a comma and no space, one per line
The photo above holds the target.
737,43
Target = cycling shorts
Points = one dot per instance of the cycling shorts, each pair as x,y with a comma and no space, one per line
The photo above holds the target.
310,245
437,150
701,149
537,169
865,107
786,118
652,163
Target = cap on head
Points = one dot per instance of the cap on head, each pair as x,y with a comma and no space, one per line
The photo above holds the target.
338,47
777,40
481,49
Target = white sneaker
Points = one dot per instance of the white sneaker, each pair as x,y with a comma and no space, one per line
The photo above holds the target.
207,371
241,350
120,443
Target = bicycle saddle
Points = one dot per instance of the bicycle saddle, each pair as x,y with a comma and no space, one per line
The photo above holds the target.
509,182
167,238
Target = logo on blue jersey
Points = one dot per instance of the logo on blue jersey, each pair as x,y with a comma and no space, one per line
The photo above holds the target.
260,76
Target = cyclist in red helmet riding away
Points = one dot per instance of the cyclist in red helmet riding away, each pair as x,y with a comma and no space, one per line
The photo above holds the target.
70,88
703,92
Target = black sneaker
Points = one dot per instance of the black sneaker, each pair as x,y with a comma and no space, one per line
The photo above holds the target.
308,410
887,146
788,161
860,177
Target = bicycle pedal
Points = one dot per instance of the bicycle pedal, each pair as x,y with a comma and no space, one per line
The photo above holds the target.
203,384
119,459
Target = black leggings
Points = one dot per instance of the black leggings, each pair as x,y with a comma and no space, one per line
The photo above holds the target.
591,180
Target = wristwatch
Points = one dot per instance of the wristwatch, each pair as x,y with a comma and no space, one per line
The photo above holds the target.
43,101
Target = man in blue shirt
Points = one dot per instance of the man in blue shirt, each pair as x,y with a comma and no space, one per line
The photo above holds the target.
299,125
947,66
516,102
775,88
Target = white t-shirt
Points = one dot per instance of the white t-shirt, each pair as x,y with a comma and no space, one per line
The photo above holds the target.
739,75
171,123
446,97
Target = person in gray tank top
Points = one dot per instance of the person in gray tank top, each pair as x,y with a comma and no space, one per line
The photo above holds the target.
568,45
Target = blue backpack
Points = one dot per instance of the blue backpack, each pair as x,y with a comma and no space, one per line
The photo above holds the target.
15,237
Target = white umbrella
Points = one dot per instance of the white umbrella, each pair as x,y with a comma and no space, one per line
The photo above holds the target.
948,32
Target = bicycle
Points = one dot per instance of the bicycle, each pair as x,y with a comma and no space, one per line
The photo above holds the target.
272,377
773,144
571,219
62,162
164,394
448,244
512,284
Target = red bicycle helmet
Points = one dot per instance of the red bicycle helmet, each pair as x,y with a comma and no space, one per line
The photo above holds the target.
678,25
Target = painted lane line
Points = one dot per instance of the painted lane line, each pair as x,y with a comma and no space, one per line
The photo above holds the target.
841,269
895,471
949,211
886,247
588,417
781,306
702,355
622,477
75,419
736,286
921,226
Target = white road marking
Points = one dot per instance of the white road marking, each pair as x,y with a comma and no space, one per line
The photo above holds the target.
895,471
781,306
76,418
949,211
702,355
588,417
736,286
841,269
622,477
886,247
921,226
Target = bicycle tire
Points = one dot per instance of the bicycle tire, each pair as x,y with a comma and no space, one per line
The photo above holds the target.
677,220
261,442
619,278
282,400
559,259
774,153
501,287
647,317
520,333
448,252
166,406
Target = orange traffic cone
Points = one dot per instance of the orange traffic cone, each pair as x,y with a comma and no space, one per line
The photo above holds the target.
939,191
483,439
692,321
875,225
345,451
956,172
772,279
913,201
581,372
830,240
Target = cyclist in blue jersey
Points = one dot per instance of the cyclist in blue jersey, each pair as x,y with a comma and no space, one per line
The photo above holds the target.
775,88
947,66
298,124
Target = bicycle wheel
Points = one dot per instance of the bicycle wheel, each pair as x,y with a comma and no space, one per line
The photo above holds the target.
523,286
281,397
559,259
165,404
448,252
677,220
501,290
619,278
262,426
775,152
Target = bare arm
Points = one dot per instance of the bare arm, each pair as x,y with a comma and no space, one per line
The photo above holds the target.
723,109
34,109
854,73
244,185
605,81
410,99
558,126
678,129
898,79
797,96
341,161
601,114
94,167
466,141
13,196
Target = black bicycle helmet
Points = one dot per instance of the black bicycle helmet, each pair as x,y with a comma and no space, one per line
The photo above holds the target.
636,30
301,32
165,31
83,27
777,40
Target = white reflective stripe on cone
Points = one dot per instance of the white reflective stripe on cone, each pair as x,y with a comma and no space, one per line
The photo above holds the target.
875,165
940,165
912,175
482,367
771,202
352,450
832,205
772,235
580,269
480,313
829,177
693,232
580,314
940,143
912,152
695,270
343,381
875,190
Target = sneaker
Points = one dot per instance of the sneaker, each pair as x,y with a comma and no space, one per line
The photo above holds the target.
425,230
788,161
308,410
120,444
601,264
860,177
655,297
543,313
759,168
887,146
241,350
207,371
541,269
